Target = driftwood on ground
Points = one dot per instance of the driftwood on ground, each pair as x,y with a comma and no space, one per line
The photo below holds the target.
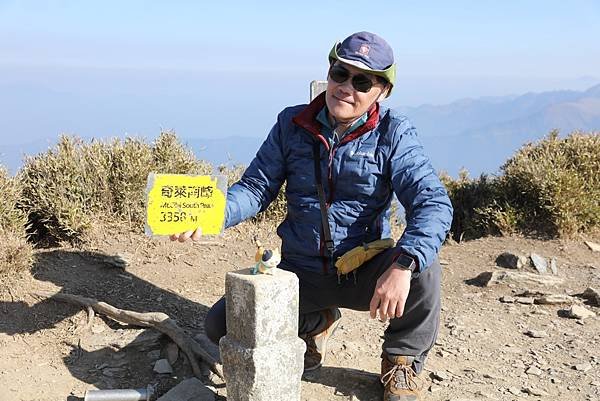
156,320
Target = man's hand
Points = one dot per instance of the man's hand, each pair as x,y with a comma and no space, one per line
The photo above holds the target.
195,235
390,294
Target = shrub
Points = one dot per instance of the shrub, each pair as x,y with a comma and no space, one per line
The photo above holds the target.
15,251
556,184
70,188
471,199
550,188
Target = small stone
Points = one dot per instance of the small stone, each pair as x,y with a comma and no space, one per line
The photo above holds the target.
525,300
579,312
539,263
511,260
442,375
593,246
553,266
514,390
507,299
162,366
534,391
434,388
554,299
532,370
189,390
583,367
592,295
488,279
536,333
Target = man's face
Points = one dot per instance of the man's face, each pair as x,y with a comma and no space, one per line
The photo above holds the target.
344,102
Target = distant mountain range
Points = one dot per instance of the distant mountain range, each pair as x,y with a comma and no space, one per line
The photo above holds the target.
478,134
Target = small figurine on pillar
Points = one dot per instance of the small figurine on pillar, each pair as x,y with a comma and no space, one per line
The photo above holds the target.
266,259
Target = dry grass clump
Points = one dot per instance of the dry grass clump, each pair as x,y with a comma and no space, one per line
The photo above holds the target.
75,185
550,188
276,211
468,197
15,251
556,184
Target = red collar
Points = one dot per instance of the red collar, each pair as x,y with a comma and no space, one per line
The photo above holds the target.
307,119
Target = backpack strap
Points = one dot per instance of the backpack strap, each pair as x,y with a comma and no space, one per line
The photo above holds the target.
322,203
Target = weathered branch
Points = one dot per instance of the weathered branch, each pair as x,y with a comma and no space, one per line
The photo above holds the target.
156,320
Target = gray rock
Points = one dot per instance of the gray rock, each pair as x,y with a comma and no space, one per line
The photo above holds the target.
536,392
593,246
189,390
442,375
514,390
583,367
162,366
511,260
592,295
434,388
580,312
507,299
539,263
532,370
517,278
536,333
553,266
525,300
554,299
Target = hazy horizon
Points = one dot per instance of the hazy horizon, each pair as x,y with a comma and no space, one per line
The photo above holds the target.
210,70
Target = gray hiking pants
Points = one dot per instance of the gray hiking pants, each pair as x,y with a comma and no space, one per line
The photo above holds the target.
413,334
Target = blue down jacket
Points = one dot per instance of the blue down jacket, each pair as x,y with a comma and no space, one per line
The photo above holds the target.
359,175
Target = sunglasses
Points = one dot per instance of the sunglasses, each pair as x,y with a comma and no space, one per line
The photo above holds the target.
360,82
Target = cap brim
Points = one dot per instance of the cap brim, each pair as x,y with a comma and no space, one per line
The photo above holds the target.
389,73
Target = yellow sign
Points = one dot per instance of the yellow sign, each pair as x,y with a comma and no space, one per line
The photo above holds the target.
178,203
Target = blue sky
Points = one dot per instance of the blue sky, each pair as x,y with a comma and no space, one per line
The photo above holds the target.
545,38
226,68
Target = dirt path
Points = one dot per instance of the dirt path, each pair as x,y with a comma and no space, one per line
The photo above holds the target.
482,351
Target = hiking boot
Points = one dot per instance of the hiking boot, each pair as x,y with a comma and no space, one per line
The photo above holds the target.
400,381
316,344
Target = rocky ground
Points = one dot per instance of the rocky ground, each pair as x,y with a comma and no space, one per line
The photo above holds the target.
496,342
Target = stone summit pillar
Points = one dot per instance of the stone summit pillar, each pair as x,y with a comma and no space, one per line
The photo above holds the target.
262,355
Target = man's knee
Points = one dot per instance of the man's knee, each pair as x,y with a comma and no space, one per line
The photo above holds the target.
214,323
